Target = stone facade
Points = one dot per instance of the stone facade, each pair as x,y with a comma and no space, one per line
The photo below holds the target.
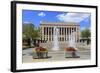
65,29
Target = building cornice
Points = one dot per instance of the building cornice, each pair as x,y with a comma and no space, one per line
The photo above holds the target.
59,24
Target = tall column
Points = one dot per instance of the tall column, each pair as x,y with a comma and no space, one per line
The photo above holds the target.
52,33
41,32
66,34
48,33
70,32
45,32
76,34
43,35
61,34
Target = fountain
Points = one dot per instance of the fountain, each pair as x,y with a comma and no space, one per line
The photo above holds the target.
72,42
72,46
55,39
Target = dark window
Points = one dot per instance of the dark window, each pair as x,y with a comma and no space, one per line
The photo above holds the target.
52,30
65,31
60,31
62,38
47,30
75,29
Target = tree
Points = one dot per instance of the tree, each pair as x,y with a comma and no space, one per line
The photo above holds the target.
28,29
35,34
30,32
86,33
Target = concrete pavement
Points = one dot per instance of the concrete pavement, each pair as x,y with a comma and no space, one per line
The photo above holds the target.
55,56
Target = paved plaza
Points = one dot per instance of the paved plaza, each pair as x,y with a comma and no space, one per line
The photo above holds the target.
55,56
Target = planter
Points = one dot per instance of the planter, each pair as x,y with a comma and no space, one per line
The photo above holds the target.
40,53
71,52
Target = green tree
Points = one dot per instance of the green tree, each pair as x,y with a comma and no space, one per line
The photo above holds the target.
30,32
28,29
35,34
86,33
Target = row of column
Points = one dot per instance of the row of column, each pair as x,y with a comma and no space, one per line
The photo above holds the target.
47,33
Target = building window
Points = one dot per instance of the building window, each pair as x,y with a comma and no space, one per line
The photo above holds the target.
62,38
75,29
49,30
65,31
60,31
52,30
59,38
72,30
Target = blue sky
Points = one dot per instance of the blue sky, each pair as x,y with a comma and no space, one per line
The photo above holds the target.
35,17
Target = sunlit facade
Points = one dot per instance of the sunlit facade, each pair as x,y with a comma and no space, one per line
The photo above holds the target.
65,29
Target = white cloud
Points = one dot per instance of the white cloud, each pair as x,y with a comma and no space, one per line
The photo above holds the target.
42,14
26,22
72,17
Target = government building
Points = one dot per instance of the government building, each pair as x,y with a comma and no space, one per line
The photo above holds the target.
57,33
64,29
